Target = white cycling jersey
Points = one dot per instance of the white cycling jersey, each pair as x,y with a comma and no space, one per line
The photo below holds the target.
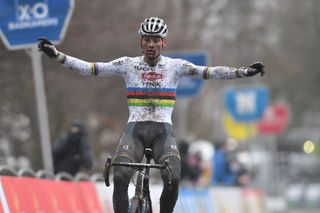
151,91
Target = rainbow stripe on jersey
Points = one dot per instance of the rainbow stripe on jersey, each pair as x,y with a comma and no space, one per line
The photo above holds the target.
158,97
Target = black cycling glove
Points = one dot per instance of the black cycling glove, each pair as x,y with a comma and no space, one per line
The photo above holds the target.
254,69
47,47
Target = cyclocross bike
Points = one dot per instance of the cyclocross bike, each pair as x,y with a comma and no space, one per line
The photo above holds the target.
141,201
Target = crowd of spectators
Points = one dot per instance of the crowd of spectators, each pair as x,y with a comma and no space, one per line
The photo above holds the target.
223,169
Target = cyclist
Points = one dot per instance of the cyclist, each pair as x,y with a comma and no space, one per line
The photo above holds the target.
151,81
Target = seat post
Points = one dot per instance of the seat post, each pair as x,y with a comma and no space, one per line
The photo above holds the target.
148,154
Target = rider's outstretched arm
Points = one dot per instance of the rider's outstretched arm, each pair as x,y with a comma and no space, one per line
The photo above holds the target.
221,72
77,65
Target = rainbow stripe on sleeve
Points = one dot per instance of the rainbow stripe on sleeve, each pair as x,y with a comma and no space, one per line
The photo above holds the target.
158,97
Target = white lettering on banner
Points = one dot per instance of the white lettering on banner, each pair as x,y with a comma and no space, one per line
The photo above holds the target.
245,102
40,10
33,24
32,16
27,11
23,12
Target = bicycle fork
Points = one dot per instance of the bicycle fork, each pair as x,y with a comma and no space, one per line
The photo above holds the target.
142,193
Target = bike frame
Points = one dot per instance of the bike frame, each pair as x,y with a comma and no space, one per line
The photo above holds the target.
141,201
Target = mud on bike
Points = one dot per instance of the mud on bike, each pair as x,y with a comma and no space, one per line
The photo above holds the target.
141,201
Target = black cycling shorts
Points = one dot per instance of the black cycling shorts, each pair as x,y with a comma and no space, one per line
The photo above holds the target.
147,134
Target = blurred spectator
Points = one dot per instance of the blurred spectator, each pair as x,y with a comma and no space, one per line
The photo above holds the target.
190,165
222,172
195,160
243,175
71,150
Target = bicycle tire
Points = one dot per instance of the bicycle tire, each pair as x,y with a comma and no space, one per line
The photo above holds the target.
134,205
146,205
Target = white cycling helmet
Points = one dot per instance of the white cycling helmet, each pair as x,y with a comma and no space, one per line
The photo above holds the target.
153,26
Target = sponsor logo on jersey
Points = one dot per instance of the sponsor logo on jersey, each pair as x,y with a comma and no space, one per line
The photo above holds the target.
151,76
153,84
143,68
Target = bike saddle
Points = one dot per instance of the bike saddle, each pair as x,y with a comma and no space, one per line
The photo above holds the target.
148,153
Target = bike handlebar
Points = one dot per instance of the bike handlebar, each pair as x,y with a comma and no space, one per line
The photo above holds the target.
108,165
106,171
139,165
168,168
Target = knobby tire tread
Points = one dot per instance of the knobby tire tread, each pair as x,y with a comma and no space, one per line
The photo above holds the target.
135,205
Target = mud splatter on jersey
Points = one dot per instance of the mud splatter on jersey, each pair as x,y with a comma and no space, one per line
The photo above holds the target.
151,91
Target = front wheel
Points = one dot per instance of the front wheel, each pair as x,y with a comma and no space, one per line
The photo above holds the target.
134,205
146,205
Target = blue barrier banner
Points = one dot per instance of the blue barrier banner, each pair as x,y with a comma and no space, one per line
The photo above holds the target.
194,200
